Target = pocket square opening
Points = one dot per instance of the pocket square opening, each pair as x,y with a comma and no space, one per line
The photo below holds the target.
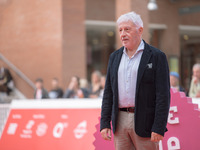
150,65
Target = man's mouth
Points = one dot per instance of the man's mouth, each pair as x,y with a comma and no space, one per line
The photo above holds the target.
124,39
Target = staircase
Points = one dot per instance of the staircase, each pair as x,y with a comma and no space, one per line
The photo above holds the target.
24,87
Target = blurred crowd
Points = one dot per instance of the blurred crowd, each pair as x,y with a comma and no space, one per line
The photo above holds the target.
77,88
81,88
194,90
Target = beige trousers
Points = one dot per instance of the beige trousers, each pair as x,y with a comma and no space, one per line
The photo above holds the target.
125,137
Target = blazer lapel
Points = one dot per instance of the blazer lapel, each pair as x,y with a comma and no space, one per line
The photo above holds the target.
115,69
143,63
117,61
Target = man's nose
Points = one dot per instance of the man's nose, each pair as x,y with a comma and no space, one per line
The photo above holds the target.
123,33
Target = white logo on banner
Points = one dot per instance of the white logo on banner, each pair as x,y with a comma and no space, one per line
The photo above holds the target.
12,128
173,143
41,129
58,129
27,133
30,124
64,116
80,130
171,118
16,116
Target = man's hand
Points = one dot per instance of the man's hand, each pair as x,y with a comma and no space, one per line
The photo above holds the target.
195,79
106,134
155,137
198,94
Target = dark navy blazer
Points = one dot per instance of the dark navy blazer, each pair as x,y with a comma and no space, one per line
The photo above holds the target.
152,99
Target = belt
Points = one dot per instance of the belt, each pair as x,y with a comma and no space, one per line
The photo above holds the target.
128,109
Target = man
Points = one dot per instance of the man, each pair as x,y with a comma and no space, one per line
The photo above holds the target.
195,83
40,92
137,92
94,90
56,91
74,90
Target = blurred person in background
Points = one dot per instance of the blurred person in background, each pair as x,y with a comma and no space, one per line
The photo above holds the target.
84,87
74,90
103,82
95,88
174,82
83,83
56,91
40,92
195,83
6,81
6,86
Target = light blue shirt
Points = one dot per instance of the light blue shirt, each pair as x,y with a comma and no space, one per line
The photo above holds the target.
127,77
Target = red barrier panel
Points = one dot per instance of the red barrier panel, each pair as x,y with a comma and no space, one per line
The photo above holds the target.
74,124
47,128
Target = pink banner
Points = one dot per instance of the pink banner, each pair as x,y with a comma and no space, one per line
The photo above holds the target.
66,127
183,124
50,129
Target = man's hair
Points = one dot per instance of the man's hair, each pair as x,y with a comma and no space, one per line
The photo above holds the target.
98,73
77,78
131,16
55,79
196,66
39,80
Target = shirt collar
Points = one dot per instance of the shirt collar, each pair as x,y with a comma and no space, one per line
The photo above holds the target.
140,48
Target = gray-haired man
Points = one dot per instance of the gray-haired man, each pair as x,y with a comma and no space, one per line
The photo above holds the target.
137,91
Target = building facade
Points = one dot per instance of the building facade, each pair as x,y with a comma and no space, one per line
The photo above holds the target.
62,38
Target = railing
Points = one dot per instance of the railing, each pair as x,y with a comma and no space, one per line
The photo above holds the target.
18,72
4,111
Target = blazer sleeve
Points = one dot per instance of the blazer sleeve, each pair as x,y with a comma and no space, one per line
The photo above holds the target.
106,108
162,83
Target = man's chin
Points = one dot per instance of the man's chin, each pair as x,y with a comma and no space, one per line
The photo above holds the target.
125,45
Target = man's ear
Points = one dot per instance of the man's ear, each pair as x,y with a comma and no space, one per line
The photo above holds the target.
141,30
